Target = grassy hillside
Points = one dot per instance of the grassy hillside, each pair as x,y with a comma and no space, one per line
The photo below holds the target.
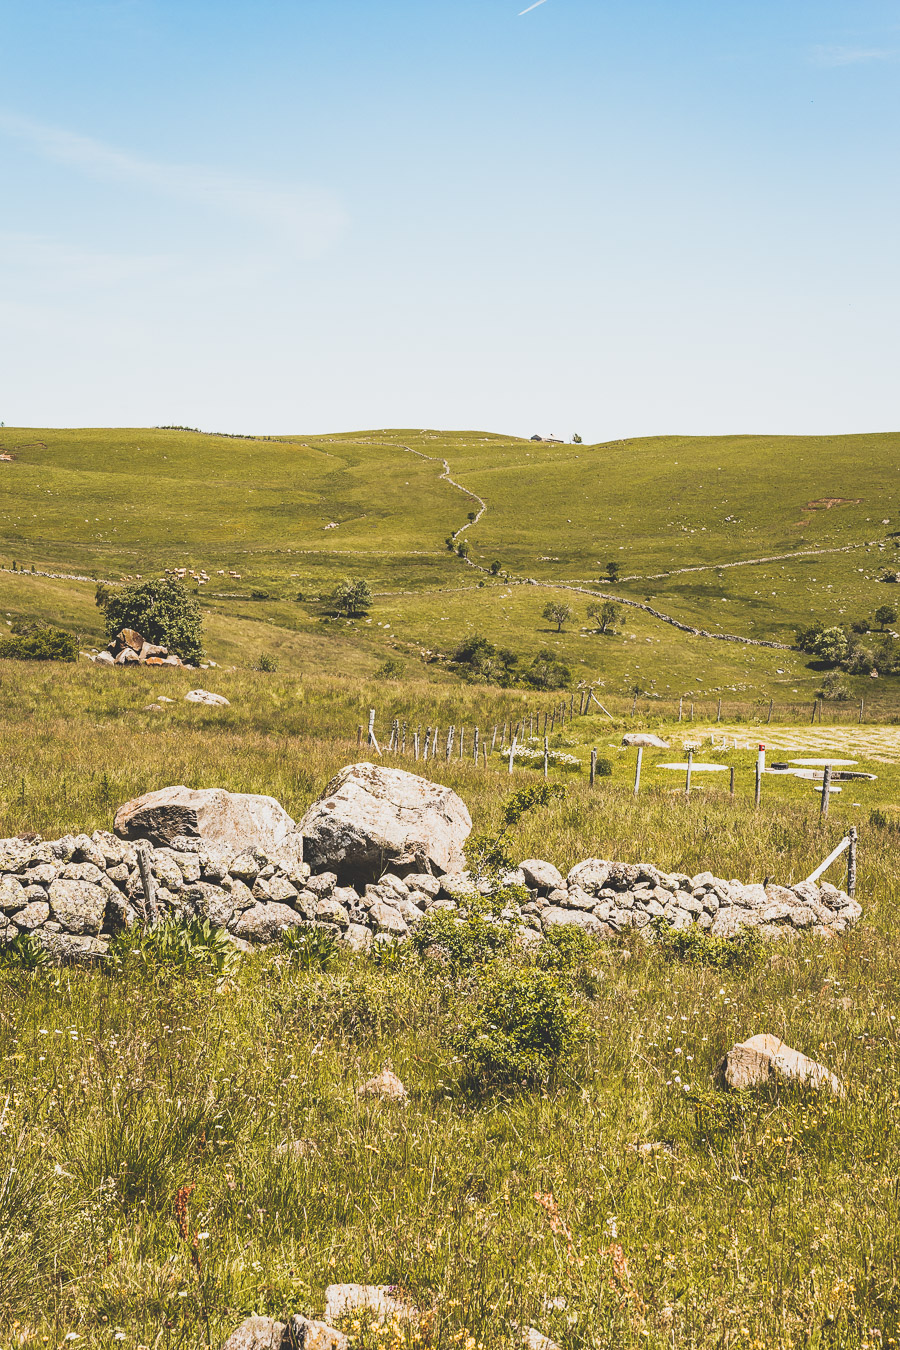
123,503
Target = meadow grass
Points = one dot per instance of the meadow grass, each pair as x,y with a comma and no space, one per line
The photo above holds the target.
120,502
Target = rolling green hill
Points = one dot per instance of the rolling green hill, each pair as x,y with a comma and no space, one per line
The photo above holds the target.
686,519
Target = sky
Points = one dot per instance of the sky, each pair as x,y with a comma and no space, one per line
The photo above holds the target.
287,216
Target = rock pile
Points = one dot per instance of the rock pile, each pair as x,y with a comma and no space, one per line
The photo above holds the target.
238,861
128,648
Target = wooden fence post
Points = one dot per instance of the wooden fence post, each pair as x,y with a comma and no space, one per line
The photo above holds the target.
680,706
690,765
760,761
147,882
637,770
815,706
372,741
450,735
851,862
359,734
826,793
732,780
862,702
416,744
692,712
477,741
771,706
512,753
462,737
403,748
493,740
427,744
719,712
546,757
593,767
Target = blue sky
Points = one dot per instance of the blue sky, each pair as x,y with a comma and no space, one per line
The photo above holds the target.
616,219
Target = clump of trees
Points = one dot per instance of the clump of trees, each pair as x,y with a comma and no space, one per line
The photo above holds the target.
855,649
162,610
352,598
481,662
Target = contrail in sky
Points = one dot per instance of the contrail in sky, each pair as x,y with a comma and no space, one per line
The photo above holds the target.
531,7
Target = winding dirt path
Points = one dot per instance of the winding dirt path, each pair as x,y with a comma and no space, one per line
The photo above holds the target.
606,595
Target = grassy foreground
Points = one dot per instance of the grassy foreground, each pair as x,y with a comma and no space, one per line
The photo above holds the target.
772,1221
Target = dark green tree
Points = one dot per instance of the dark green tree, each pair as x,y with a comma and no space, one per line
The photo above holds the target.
353,598
163,611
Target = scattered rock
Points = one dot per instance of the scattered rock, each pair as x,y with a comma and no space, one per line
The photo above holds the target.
383,1301
372,819
385,1085
257,1333
766,1059
540,875
645,739
204,696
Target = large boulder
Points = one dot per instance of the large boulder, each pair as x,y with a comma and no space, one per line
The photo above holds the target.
236,820
371,820
766,1059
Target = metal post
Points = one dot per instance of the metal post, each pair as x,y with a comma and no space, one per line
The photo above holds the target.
851,862
593,766
826,793
760,766
637,770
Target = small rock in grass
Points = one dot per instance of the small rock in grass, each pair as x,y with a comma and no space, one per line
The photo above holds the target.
766,1059
204,696
257,1333
381,1300
533,1339
385,1085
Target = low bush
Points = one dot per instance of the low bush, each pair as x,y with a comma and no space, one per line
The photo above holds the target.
696,946
525,1028
266,663
24,952
41,644
462,939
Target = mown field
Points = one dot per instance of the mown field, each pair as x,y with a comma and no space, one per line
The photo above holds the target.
770,1220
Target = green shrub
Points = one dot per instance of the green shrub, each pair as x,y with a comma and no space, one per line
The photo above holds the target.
266,663
469,936
41,644
697,947
163,611
525,1028
390,669
572,953
195,947
604,768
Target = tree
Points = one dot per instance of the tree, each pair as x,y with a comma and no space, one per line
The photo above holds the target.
612,570
832,645
495,568
576,439
604,615
884,615
352,598
556,612
163,611
473,515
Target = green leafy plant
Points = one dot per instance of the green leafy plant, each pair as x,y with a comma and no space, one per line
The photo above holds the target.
309,948
525,1028
695,946
352,598
390,669
471,935
487,853
195,947
266,662
163,611
24,952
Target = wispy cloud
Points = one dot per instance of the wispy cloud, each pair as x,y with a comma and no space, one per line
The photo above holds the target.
531,7
307,217
850,56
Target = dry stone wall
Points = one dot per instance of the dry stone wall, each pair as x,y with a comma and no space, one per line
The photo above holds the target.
74,893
